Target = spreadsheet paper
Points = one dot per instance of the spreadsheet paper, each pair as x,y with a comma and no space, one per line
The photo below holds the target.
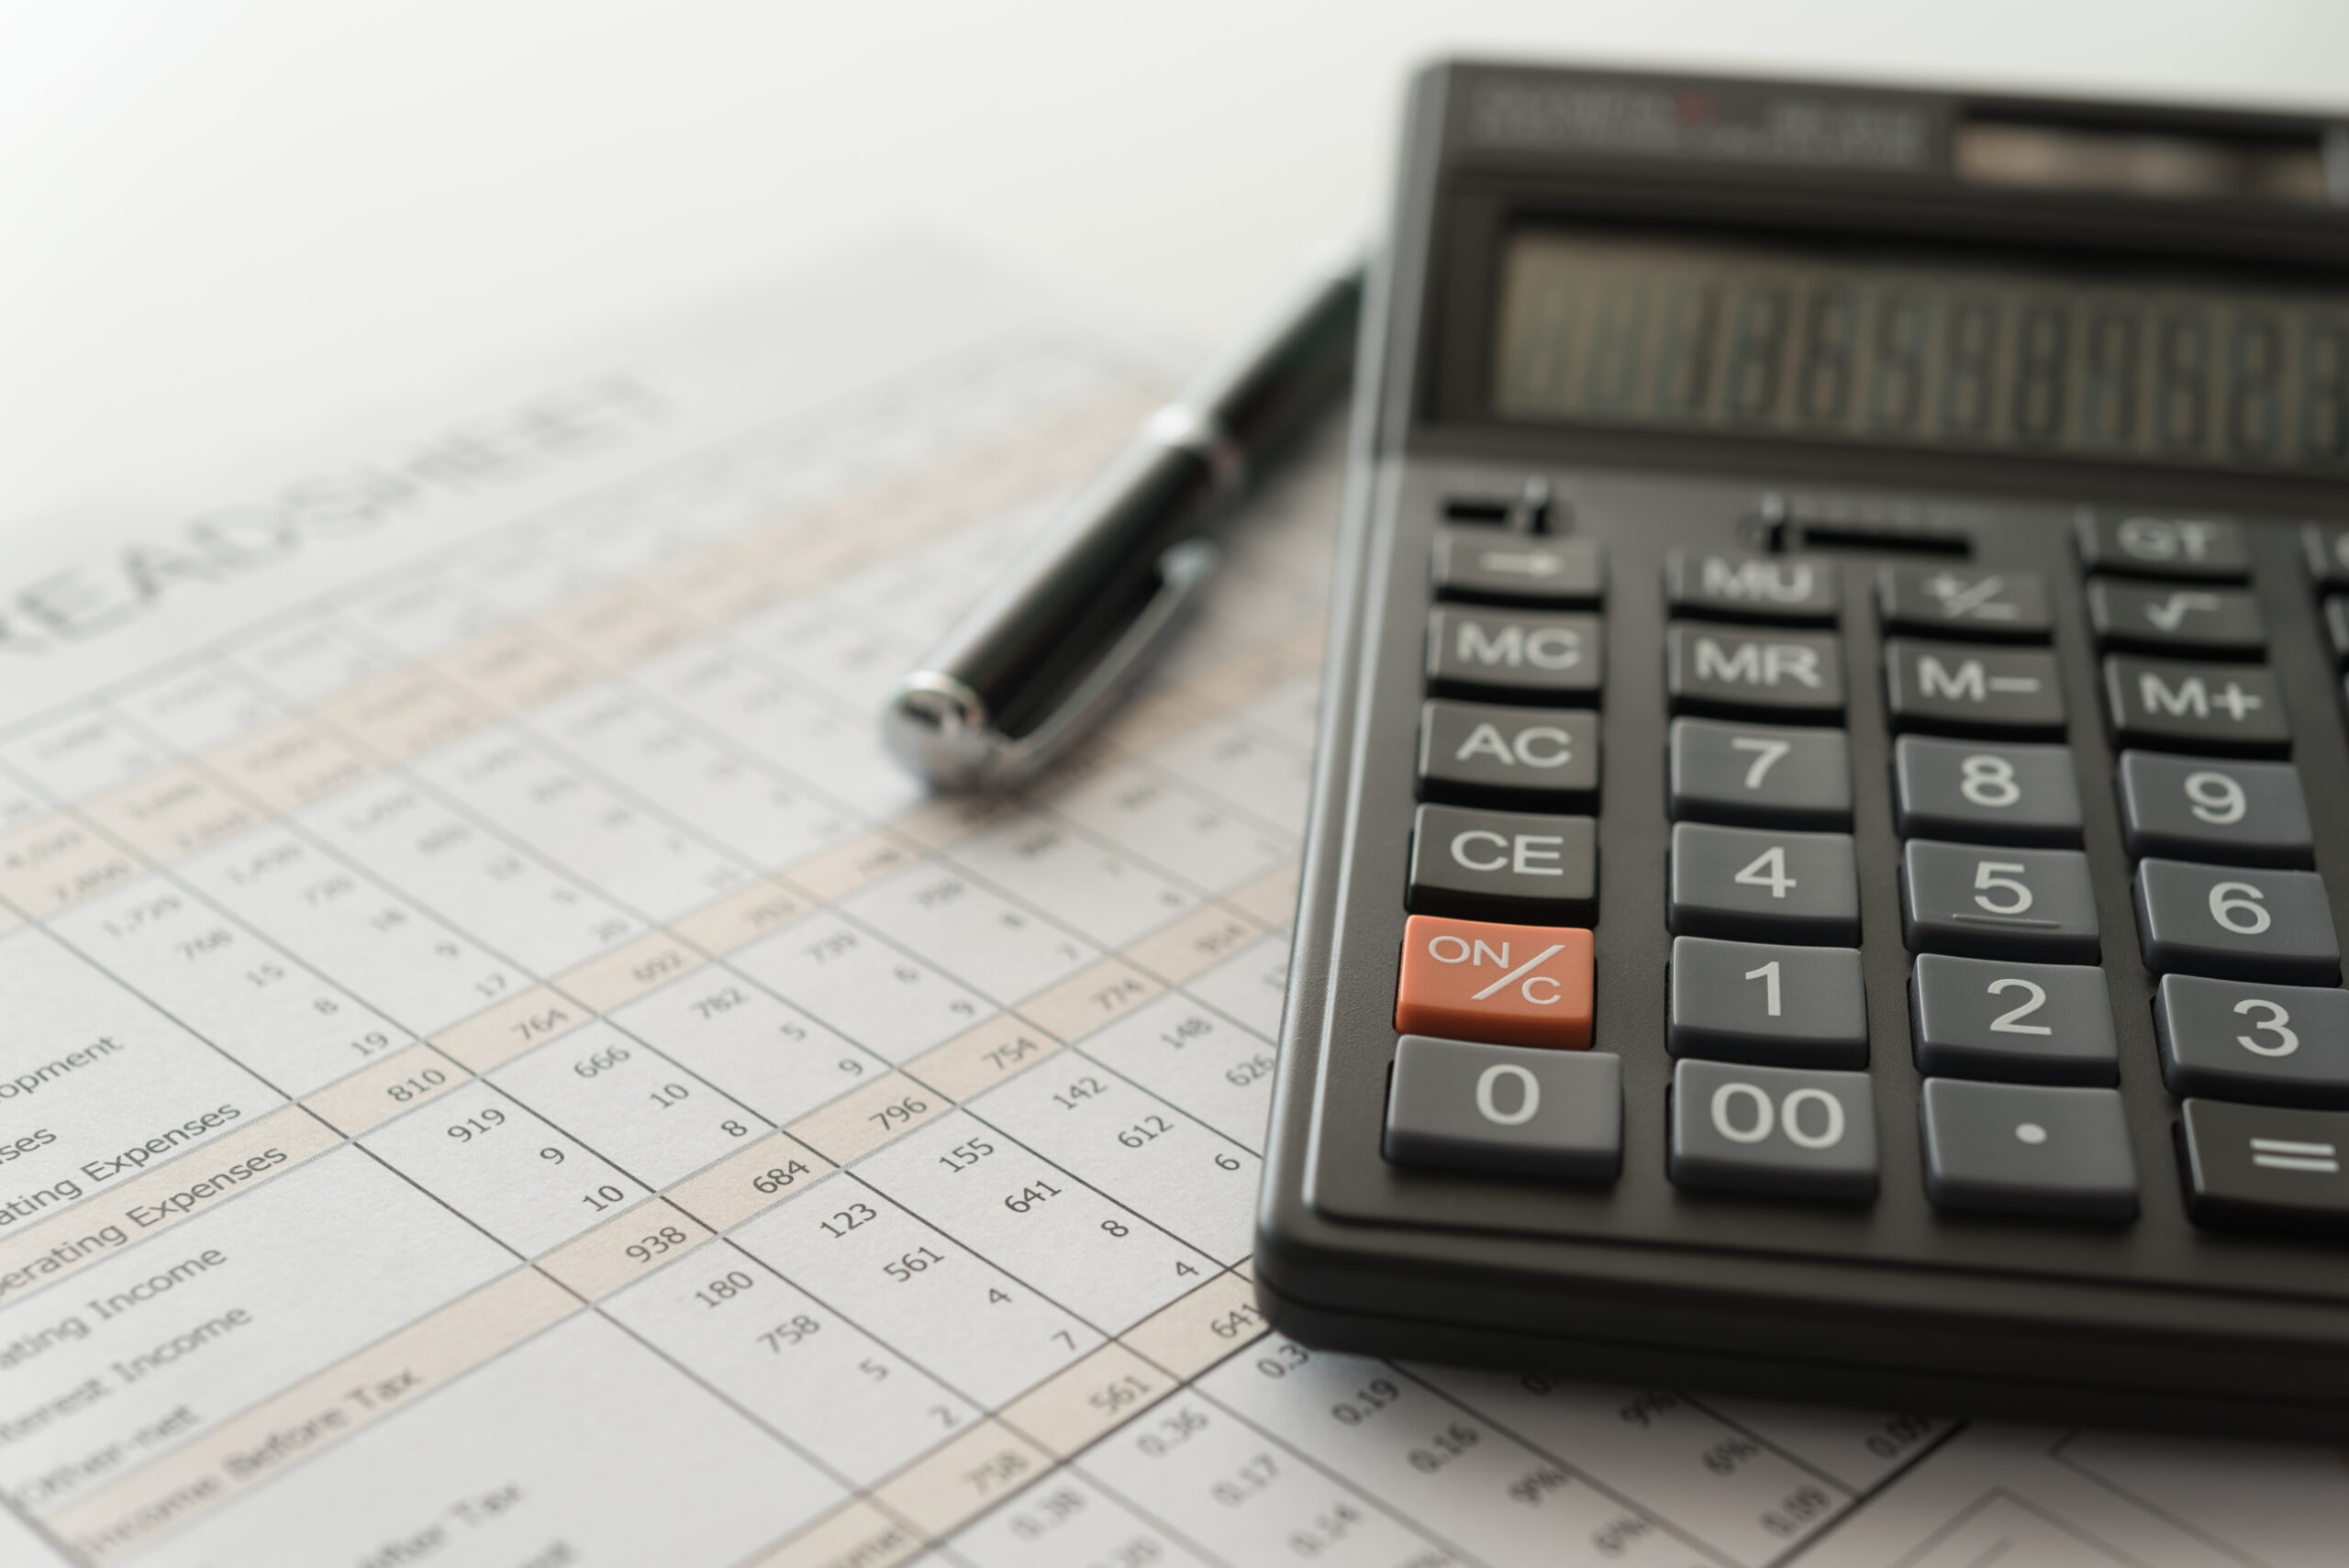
499,1068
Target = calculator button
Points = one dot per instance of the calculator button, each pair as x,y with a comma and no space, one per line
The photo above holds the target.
1997,902
2195,549
1539,658
1985,792
1966,688
1502,756
1755,885
2236,1039
2336,628
1951,602
2196,708
2327,550
1501,985
1759,774
2265,1168
1753,587
1773,1130
1761,673
1784,1006
1505,865
2026,1149
1458,1106
2016,1023
2236,923
1480,563
2166,618
2201,809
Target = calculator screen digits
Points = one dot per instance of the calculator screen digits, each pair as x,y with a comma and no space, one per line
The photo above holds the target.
1837,343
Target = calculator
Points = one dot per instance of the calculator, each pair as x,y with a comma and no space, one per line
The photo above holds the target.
1830,844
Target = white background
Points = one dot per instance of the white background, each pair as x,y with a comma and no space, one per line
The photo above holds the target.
222,222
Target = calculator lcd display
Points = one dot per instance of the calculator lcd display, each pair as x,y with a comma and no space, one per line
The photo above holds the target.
1752,339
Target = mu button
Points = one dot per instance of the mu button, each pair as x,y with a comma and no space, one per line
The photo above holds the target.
1496,984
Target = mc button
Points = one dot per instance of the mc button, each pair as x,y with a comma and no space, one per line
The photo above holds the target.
1497,985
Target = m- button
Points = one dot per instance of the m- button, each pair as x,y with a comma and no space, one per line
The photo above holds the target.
1966,688
1497,984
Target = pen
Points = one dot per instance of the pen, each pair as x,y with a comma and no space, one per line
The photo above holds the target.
1077,616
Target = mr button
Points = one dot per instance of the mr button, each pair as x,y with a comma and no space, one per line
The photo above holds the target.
1500,984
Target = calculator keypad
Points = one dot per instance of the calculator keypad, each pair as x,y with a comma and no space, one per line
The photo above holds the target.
2009,1016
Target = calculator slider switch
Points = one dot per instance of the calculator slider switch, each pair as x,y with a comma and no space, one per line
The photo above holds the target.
1529,986
1718,586
1515,654
1505,865
1458,1105
1512,569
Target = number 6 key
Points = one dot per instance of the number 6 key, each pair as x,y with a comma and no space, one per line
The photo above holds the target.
2234,923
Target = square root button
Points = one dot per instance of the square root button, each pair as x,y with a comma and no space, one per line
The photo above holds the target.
1528,985
1458,1106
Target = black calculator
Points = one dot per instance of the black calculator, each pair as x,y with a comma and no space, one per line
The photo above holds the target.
1830,844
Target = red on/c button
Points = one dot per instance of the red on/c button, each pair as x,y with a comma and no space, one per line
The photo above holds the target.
1497,985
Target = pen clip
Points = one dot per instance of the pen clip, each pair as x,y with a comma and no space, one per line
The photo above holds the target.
942,729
